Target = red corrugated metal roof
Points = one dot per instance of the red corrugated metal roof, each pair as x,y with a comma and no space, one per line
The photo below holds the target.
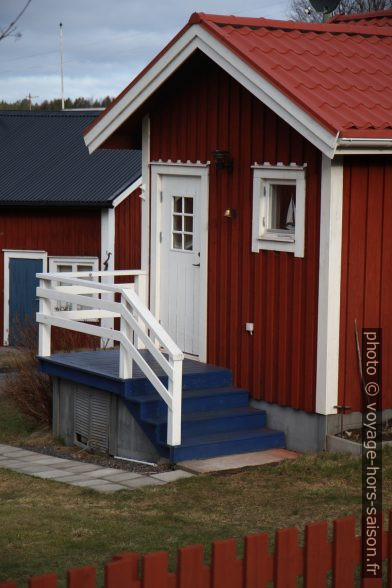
338,73
381,18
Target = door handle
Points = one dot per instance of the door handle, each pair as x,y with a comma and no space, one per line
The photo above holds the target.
196,264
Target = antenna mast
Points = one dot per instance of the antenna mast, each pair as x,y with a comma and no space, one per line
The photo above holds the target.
62,65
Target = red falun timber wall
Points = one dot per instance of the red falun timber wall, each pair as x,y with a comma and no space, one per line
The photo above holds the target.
57,231
201,109
366,288
128,232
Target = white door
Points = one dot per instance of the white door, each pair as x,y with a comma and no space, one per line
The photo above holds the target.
179,288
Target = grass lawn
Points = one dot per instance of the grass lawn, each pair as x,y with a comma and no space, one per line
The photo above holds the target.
48,526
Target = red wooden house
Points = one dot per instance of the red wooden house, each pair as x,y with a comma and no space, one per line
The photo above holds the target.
60,209
267,177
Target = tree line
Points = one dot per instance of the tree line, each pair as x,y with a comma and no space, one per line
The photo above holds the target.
26,104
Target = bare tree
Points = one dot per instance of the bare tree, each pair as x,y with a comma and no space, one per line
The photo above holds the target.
11,29
302,10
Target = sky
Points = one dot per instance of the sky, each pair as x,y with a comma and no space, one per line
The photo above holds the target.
106,42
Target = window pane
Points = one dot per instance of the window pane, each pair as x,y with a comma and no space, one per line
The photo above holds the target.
177,241
177,203
84,268
282,206
64,268
177,222
188,204
188,242
188,220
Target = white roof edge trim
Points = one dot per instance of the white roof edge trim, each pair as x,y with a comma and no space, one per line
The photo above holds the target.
136,184
198,38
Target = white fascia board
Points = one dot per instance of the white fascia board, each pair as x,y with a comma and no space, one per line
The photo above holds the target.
328,330
194,38
121,197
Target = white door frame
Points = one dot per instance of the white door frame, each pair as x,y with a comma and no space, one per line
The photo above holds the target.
158,170
21,254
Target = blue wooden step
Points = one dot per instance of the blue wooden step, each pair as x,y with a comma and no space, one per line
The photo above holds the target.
227,443
199,400
214,421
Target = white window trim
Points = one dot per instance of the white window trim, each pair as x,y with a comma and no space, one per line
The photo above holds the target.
263,177
53,262
21,254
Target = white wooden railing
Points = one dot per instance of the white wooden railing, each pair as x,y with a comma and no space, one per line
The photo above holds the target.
93,300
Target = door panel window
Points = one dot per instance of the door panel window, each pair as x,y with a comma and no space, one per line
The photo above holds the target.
182,223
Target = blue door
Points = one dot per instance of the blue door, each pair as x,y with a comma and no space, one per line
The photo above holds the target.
23,302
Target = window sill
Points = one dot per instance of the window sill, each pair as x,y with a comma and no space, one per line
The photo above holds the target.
277,237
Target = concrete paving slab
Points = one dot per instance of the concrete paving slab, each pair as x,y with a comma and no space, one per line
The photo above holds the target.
91,483
48,460
232,462
12,464
111,488
32,469
10,448
22,453
79,466
100,472
172,476
52,473
121,476
140,482
69,479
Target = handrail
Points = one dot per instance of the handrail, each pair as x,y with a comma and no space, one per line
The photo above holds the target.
139,329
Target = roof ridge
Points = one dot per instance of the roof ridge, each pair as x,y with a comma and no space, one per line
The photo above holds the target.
47,113
360,15
288,25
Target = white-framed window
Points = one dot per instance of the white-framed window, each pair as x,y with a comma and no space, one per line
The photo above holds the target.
278,221
63,264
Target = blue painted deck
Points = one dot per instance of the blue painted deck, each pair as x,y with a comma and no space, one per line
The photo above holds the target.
216,416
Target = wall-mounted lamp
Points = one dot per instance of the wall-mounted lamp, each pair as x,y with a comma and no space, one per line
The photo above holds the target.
223,160
230,213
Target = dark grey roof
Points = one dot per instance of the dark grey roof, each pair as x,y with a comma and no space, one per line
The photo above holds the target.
44,161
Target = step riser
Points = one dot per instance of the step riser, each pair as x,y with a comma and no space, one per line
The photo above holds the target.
276,440
219,425
202,404
218,379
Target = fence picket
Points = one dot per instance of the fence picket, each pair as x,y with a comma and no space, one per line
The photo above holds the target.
344,552
226,570
120,574
258,569
258,562
288,558
82,577
318,554
191,570
44,581
155,570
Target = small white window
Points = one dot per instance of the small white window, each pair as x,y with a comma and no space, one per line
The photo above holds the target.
71,264
279,208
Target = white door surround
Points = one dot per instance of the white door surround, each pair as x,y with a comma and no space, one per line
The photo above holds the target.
20,254
184,186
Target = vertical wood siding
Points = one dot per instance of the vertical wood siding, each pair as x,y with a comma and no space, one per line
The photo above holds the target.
366,290
128,233
202,109
57,231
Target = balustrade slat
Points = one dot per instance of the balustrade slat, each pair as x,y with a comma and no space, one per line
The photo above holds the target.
120,574
288,558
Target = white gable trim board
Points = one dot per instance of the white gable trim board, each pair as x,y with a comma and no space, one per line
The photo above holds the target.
196,37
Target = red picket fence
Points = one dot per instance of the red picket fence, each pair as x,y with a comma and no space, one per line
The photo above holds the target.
257,568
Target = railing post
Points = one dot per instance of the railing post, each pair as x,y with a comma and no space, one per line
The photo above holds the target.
44,331
125,356
141,291
174,412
